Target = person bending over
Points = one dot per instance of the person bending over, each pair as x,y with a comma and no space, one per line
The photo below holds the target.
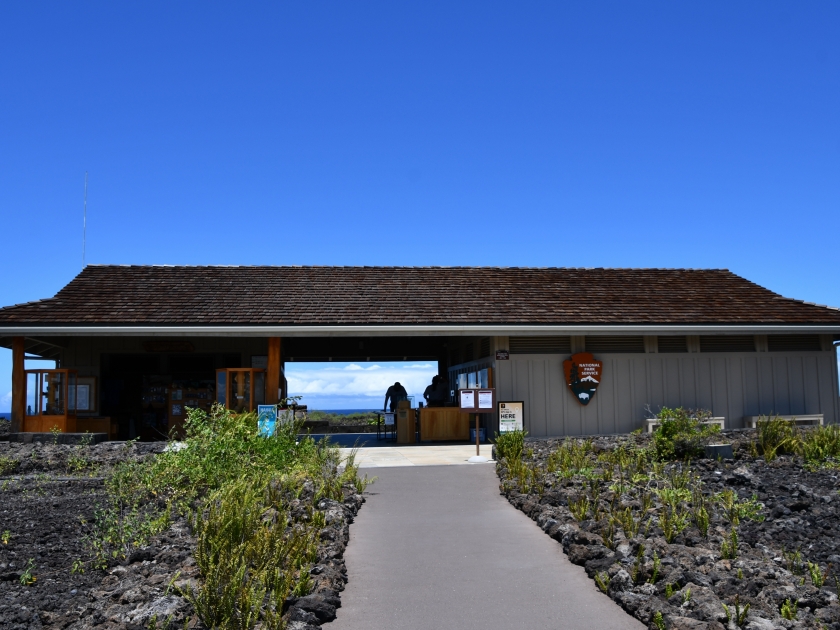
395,393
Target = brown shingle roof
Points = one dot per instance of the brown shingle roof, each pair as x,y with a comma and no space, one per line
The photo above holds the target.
125,295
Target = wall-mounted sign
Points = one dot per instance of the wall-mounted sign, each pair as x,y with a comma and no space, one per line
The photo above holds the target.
502,355
583,375
511,416
477,400
266,420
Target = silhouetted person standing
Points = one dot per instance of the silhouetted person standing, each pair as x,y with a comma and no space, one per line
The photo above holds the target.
429,393
395,393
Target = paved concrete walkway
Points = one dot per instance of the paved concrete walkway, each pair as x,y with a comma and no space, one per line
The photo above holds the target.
438,547
416,455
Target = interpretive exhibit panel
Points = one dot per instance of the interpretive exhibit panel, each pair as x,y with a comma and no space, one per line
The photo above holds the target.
511,416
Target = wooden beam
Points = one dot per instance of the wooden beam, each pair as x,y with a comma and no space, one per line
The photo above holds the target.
272,377
18,384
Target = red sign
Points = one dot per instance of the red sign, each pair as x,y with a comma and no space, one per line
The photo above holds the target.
583,375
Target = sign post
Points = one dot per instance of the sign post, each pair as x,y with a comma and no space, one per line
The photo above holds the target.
477,401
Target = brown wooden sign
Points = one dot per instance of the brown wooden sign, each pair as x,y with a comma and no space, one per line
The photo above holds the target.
583,375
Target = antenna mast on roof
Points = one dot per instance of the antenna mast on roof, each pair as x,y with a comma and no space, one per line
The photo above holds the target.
84,225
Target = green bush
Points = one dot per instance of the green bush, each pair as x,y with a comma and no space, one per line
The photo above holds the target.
681,433
510,445
776,436
8,465
221,447
235,486
821,445
251,556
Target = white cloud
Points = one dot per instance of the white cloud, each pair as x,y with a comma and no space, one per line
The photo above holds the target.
366,385
6,402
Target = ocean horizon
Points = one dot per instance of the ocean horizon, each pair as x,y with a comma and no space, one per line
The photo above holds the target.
343,412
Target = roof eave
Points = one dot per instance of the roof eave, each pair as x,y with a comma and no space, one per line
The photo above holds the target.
388,330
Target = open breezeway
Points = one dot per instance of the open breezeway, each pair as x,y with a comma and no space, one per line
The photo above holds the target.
382,456
438,547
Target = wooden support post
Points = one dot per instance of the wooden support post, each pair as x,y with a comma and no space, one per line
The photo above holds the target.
477,448
18,385
272,377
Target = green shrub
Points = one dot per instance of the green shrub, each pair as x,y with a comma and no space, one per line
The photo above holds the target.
789,609
8,465
510,445
733,509
729,546
820,445
682,433
251,556
235,486
776,436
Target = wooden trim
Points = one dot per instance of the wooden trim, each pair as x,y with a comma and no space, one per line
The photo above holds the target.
272,377
18,385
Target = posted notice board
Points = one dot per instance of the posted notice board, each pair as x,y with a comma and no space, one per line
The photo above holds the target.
511,416
480,400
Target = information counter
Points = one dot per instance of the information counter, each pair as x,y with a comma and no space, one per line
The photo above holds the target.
444,424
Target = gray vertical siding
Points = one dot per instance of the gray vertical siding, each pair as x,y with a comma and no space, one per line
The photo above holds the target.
733,385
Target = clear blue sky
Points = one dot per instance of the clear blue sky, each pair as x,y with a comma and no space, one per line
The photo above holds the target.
672,134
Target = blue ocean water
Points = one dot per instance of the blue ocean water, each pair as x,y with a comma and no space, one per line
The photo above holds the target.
8,414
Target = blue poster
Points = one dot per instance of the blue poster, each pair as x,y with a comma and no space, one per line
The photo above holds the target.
266,420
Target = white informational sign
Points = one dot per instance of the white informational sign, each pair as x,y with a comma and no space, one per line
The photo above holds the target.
266,420
467,399
511,416
389,419
485,399
82,397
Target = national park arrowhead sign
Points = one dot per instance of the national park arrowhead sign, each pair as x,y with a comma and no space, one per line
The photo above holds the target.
583,375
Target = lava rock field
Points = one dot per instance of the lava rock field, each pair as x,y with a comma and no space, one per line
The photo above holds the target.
801,513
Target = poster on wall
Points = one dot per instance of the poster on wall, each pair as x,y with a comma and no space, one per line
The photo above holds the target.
485,399
82,398
511,416
266,420
583,375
